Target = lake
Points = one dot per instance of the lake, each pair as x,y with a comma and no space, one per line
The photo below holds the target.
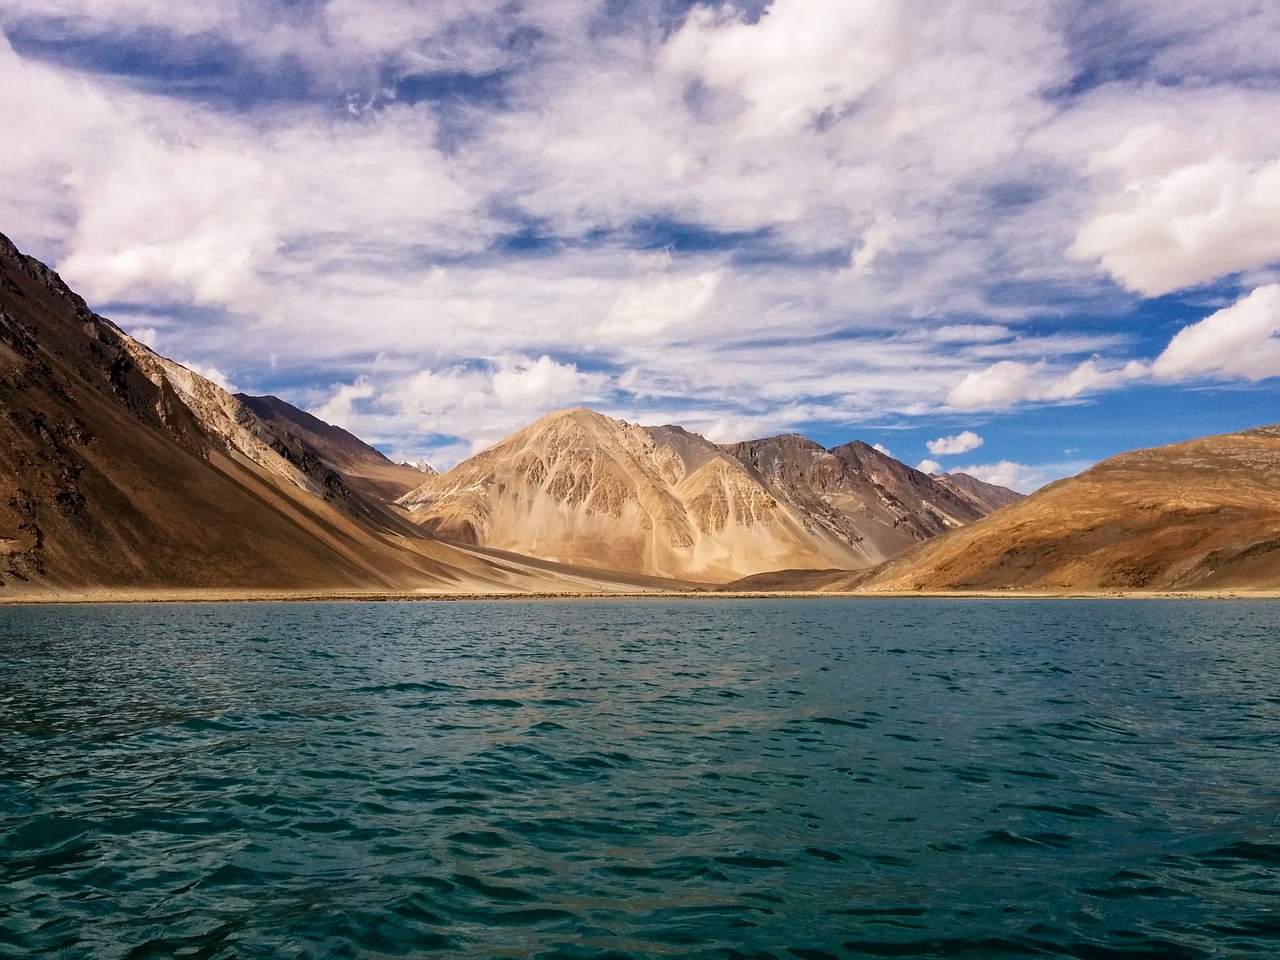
698,778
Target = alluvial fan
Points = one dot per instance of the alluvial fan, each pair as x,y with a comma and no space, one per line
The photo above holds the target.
701,778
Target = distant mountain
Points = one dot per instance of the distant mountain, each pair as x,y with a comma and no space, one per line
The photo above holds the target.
121,469
986,497
579,487
1203,514
869,500
361,466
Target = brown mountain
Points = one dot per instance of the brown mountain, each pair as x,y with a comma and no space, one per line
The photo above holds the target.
1204,514
361,466
874,503
119,468
579,487
987,497
583,488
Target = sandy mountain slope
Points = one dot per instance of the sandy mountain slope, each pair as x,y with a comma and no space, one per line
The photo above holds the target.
876,504
579,487
987,497
1198,515
121,469
362,467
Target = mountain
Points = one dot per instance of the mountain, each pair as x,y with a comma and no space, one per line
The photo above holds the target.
1204,514
121,469
872,502
580,487
986,497
361,466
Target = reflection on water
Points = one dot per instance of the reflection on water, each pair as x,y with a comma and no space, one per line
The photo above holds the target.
615,779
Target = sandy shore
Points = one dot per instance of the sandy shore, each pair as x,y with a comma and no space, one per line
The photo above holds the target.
220,595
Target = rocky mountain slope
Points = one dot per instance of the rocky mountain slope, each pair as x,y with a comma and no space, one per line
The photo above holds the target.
876,504
580,487
986,497
1204,514
119,468
361,466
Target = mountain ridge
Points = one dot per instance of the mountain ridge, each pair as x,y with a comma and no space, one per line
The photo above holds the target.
581,487
1203,514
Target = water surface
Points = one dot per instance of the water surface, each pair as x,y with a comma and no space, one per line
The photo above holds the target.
617,779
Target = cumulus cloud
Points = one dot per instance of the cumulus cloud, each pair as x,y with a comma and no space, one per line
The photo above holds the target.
929,466
160,220
1238,341
492,399
1007,473
340,408
801,58
1189,211
950,446
1009,382
212,374
882,448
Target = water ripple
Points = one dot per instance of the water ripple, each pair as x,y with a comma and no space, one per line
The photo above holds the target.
711,779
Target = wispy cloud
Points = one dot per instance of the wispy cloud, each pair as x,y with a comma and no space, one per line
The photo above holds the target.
443,219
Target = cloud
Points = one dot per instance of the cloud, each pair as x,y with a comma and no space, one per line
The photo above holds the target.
950,446
1180,224
158,220
649,307
212,374
797,214
876,239
1007,473
1009,382
929,466
339,409
1237,341
801,58
882,448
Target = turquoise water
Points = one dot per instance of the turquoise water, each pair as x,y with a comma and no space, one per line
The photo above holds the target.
703,778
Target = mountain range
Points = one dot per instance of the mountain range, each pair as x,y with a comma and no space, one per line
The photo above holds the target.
123,470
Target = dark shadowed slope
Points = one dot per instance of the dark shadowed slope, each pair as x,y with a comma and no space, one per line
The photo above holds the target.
361,466
119,468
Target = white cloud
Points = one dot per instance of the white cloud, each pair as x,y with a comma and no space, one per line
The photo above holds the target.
1190,211
876,239
543,383
950,446
340,408
1007,473
801,58
1237,341
158,220
212,374
882,448
148,335
929,466
971,333
847,192
1009,382
649,307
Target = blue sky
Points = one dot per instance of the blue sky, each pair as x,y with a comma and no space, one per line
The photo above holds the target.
1011,237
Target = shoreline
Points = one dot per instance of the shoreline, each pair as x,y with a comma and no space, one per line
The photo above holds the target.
223,595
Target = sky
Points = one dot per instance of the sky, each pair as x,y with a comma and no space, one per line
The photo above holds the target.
1008,237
